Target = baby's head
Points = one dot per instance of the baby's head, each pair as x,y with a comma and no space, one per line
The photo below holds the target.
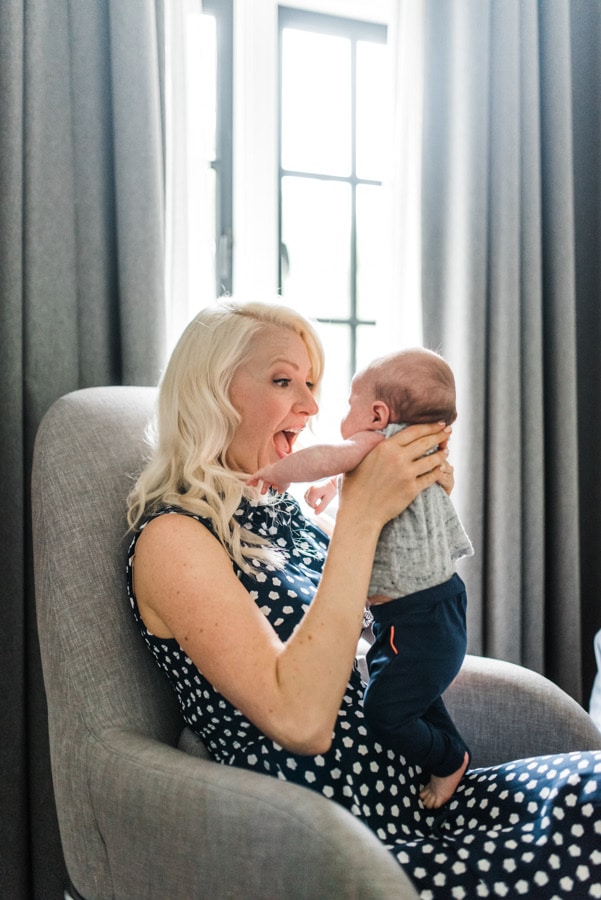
412,387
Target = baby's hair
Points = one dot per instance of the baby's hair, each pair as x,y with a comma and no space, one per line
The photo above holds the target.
416,384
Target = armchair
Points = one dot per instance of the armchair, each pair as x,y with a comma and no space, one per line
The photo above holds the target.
143,812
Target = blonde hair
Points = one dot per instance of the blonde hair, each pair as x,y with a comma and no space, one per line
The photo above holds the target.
195,422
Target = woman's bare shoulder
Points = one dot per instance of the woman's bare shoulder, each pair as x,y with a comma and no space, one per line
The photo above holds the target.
171,522
176,558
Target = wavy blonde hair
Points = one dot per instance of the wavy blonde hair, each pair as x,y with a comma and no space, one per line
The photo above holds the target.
195,422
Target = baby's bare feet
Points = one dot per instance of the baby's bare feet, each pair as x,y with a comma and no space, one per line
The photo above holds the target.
439,790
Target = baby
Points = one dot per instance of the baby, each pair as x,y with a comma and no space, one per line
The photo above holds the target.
417,599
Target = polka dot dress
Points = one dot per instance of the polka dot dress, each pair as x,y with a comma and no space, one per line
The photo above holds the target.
526,828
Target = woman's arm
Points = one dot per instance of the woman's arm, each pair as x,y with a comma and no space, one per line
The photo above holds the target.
186,588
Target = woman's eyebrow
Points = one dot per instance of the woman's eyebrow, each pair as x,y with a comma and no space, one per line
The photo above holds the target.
283,359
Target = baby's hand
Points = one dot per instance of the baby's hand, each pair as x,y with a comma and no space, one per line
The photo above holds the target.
265,479
318,496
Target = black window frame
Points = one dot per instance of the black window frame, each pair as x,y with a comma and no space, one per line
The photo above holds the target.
356,30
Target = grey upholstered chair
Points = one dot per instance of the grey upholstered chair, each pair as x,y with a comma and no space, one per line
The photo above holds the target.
141,818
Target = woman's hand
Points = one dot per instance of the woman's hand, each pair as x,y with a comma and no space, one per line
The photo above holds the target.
397,470
446,477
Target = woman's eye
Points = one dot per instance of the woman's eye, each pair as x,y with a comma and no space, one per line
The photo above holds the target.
310,385
282,382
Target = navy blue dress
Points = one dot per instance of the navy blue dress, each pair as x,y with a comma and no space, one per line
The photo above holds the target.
530,827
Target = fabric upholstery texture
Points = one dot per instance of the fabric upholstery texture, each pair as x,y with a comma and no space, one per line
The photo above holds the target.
139,817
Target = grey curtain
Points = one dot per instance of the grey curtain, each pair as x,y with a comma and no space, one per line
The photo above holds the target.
511,209
81,285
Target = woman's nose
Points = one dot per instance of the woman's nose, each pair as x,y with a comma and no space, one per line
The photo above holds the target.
307,402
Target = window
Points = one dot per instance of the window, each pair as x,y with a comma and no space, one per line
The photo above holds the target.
332,79
199,111
330,173
276,154
221,12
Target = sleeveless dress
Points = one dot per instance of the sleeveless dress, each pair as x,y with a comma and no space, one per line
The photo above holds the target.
525,828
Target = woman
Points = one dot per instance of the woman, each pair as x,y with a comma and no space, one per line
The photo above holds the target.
256,627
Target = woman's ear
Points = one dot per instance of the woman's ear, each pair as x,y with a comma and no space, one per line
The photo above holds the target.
380,413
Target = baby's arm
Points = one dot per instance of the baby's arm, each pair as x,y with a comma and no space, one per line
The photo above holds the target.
318,496
318,461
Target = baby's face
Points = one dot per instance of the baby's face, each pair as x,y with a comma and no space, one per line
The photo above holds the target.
359,416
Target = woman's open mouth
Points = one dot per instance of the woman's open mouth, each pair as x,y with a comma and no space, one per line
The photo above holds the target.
284,441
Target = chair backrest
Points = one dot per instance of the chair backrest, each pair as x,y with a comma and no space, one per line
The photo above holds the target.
89,449
97,672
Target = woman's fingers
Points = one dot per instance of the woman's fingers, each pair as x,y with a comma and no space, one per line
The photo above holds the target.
423,439
446,477
398,469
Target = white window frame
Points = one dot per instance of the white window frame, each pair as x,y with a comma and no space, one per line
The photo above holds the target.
255,133
255,169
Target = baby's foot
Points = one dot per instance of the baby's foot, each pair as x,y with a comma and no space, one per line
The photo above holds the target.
439,789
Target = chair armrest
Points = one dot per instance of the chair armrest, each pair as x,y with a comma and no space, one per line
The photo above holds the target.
505,711
176,825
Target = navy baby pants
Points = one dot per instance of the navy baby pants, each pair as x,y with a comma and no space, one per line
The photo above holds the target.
420,644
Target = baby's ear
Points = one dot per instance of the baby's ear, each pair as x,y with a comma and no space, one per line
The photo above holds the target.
380,413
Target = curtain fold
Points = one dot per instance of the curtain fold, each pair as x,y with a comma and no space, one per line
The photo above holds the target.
81,303
510,215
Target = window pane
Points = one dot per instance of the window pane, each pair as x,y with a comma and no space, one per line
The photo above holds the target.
316,229
369,345
336,380
370,249
316,102
371,109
